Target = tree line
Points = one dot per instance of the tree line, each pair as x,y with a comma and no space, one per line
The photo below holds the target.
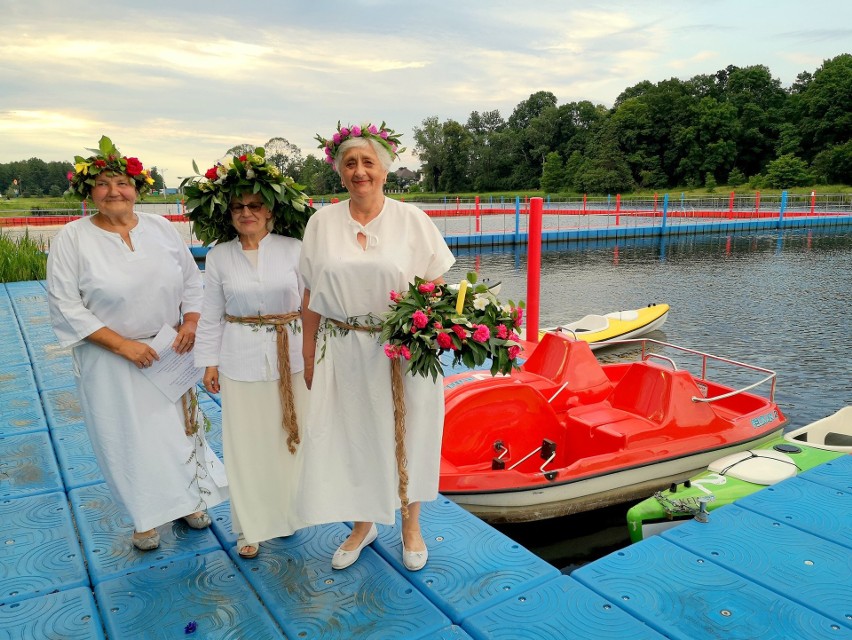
733,127
736,126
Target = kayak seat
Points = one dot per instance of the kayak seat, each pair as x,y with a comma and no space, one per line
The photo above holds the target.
567,369
516,415
663,397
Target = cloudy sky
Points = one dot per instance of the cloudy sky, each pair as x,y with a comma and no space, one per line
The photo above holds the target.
172,81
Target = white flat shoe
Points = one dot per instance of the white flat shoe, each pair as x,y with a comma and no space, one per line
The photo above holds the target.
342,559
414,560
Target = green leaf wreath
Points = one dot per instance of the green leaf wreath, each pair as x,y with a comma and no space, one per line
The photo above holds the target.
425,322
208,196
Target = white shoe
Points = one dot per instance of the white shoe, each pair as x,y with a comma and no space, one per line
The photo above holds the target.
414,560
342,558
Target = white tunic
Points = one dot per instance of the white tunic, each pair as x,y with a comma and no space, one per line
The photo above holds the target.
349,470
95,280
262,473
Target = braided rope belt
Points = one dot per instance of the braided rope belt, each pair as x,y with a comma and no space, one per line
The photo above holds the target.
285,388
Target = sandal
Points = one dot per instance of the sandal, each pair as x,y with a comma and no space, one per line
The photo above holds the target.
199,520
254,548
146,543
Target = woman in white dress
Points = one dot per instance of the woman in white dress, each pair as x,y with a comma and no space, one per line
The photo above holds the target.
354,253
114,280
250,341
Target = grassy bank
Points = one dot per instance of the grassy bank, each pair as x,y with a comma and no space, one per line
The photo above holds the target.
21,259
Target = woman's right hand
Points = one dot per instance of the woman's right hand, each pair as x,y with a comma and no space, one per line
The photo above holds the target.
211,379
309,373
139,353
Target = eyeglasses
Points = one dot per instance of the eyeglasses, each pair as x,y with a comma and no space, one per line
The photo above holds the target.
254,207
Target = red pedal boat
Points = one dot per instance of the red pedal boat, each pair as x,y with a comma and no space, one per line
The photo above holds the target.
567,434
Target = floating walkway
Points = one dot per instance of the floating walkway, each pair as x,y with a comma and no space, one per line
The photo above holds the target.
776,565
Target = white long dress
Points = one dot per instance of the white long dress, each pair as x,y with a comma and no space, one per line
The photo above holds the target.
94,280
262,473
349,470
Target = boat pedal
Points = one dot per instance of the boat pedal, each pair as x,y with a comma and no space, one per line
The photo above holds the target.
548,448
497,464
551,475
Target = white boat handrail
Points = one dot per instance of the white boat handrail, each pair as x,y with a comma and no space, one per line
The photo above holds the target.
771,375
663,358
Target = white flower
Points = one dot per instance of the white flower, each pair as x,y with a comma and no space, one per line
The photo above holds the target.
480,302
506,308
249,173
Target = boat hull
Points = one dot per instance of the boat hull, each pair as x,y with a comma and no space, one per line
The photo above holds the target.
585,494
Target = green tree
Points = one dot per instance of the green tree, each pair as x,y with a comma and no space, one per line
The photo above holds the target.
736,178
553,173
824,107
284,155
787,171
429,148
455,151
833,165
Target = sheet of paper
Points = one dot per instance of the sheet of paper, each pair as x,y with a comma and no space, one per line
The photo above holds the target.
174,373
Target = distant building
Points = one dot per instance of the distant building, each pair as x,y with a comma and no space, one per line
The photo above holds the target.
406,176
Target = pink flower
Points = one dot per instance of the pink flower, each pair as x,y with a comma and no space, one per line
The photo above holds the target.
344,131
437,325
390,351
444,340
404,352
459,331
419,319
518,313
372,129
383,134
336,138
426,287
482,333
395,296
502,331
70,175
513,352
356,131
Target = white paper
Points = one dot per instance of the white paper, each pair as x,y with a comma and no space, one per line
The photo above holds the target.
174,373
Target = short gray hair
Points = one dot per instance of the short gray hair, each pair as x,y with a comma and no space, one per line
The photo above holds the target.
383,154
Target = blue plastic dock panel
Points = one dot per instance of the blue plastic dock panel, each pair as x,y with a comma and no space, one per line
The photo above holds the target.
62,406
205,591
221,517
836,474
812,571
21,414
28,465
471,565
64,615
809,506
686,597
105,530
294,578
548,611
77,461
39,552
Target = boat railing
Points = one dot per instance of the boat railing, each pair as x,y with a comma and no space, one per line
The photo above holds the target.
705,358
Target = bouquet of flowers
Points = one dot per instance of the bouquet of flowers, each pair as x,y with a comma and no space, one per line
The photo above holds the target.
466,320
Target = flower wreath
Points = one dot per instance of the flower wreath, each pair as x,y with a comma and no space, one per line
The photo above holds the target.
388,138
208,196
105,159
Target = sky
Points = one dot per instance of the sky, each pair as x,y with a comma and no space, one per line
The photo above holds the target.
175,81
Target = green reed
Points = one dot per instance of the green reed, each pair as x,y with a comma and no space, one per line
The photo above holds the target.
21,258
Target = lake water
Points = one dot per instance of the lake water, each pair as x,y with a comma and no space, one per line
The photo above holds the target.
776,300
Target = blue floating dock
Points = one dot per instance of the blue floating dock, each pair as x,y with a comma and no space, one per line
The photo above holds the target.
777,564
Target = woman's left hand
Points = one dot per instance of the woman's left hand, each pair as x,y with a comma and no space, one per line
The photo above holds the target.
185,340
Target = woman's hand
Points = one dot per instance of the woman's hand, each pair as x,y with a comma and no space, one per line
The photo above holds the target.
211,379
309,373
139,353
185,339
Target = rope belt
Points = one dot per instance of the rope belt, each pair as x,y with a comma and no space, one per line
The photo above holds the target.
398,393
285,389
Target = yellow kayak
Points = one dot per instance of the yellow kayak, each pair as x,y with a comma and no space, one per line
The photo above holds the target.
598,330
